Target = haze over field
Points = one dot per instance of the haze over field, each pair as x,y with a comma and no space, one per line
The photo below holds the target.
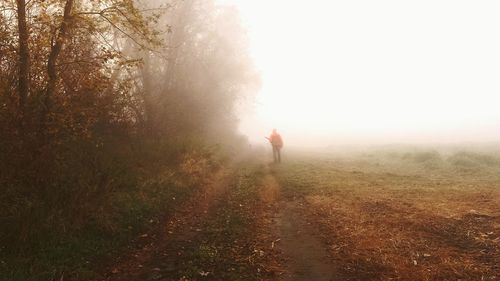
336,72
132,140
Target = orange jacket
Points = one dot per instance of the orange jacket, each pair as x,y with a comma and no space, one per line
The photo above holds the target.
276,140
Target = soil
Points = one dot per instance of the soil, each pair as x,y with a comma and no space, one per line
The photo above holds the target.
305,255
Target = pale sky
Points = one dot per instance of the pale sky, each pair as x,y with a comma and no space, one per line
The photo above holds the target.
335,72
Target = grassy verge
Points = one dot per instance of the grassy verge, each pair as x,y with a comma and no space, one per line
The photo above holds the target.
226,248
78,254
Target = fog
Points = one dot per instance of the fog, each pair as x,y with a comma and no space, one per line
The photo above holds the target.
342,72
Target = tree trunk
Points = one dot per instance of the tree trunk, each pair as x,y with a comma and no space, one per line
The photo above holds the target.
24,57
54,54
147,89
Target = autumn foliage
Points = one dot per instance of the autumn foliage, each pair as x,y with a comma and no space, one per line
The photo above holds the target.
94,93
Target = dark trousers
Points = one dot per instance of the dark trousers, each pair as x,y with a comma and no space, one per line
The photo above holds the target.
276,154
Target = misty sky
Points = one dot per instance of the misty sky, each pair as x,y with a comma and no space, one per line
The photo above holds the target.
374,71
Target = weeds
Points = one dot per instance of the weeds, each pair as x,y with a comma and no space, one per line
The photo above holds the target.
226,250
123,194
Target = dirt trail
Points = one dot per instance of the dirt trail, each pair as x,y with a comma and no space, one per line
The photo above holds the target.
308,259
293,251
305,254
155,257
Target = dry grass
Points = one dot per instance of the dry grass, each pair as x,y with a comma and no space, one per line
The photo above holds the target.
403,216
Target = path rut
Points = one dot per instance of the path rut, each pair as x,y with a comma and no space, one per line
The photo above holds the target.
305,255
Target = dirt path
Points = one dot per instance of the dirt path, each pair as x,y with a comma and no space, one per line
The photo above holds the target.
238,228
305,255
156,253
308,259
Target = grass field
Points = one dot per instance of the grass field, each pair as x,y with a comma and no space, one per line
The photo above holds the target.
399,214
392,213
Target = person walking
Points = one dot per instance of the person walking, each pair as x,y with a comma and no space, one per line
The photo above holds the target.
277,143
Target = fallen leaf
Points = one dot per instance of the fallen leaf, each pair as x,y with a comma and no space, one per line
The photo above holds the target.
204,273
